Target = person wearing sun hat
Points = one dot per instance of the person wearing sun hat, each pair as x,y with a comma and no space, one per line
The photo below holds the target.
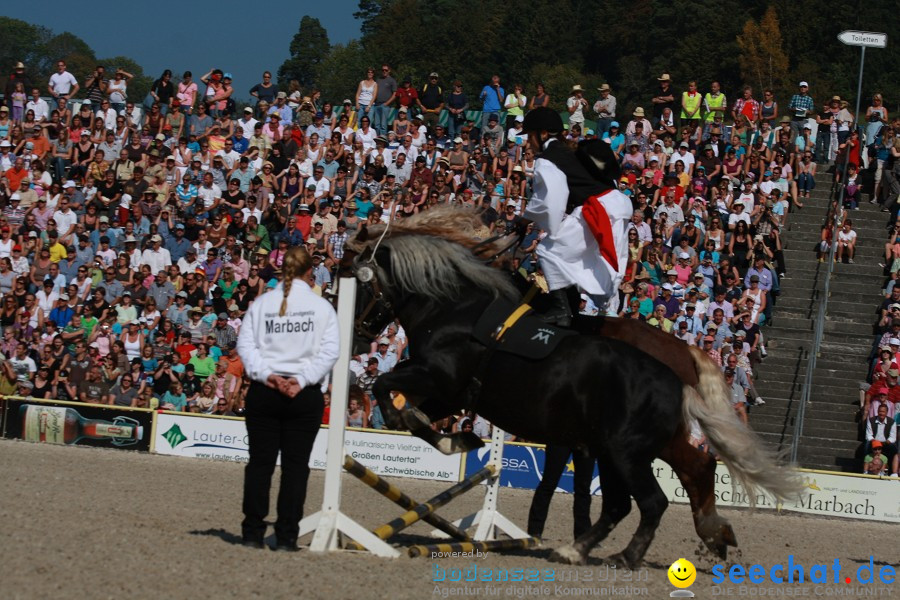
664,97
638,116
15,77
576,104
605,108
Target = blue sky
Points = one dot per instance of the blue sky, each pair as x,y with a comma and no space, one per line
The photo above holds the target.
244,38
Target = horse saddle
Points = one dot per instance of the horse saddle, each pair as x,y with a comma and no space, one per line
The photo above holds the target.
526,336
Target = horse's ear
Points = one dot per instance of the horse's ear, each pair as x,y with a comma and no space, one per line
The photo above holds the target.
363,234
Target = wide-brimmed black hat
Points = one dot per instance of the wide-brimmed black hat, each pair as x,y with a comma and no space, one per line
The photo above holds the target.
599,160
543,119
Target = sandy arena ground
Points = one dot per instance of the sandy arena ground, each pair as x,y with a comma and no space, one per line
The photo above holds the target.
89,523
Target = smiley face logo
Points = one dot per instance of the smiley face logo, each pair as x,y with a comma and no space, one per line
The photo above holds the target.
682,573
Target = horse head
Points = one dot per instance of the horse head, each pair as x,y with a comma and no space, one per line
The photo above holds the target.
374,309
420,264
427,273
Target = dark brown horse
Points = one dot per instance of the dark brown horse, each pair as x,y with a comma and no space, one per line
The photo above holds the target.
628,393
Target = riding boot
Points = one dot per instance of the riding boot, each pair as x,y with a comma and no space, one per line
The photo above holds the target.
559,312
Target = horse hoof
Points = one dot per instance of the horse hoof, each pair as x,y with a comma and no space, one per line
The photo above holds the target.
453,443
728,535
567,555
620,560
720,549
718,543
469,441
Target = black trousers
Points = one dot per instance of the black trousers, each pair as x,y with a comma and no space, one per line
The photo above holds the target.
556,459
276,422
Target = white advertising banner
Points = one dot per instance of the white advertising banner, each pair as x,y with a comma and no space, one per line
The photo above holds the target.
201,437
390,454
825,494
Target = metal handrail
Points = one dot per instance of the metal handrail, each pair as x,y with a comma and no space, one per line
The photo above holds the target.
819,332
816,348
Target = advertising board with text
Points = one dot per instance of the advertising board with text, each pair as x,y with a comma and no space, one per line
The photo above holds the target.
391,454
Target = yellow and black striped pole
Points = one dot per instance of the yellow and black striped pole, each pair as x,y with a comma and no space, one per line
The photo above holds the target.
395,495
486,546
421,511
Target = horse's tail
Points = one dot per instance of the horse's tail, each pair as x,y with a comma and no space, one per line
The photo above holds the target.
742,451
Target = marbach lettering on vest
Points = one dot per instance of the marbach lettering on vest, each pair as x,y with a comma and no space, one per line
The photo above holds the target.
285,326
297,313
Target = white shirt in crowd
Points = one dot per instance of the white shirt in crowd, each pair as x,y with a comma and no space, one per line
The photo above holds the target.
252,212
209,194
40,107
157,260
65,221
248,126
23,368
62,83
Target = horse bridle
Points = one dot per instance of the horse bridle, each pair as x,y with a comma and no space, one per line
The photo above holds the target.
365,274
487,243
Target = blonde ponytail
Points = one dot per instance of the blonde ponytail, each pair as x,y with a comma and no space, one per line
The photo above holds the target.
297,263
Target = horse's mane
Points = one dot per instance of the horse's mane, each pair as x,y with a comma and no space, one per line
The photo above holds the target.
436,254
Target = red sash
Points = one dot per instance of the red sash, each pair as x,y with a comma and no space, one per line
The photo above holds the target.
598,222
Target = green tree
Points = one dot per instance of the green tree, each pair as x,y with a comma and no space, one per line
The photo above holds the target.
338,75
23,42
763,60
368,12
626,45
308,49
80,58
634,87
528,44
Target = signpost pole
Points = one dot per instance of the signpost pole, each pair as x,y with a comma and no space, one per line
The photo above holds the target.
862,61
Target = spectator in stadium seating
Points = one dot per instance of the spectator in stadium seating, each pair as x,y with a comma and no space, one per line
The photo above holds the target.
659,319
668,301
713,354
846,242
738,397
882,428
885,363
878,398
876,462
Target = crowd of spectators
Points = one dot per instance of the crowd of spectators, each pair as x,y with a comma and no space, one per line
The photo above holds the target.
879,400
133,236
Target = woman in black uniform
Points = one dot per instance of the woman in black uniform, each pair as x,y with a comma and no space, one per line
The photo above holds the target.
288,343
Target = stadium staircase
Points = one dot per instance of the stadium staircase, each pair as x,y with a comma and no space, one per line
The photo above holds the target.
830,434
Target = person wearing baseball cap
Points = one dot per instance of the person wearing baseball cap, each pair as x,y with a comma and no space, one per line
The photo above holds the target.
801,108
582,249
157,257
431,101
